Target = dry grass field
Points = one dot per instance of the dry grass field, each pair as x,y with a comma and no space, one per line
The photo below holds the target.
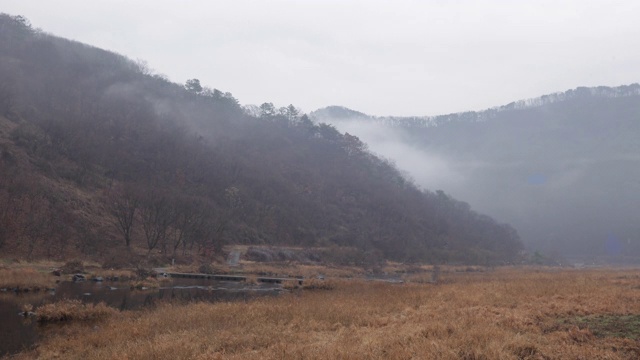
500,314
26,278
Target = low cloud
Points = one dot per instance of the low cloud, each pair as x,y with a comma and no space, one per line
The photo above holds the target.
429,170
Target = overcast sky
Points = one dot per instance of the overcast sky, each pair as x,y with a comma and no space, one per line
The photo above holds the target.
396,57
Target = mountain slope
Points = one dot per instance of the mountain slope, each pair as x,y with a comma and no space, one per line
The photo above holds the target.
561,168
99,155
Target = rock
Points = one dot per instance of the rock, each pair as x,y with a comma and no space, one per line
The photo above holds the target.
57,272
78,278
98,279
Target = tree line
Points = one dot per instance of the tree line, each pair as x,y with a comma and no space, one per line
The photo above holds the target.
173,168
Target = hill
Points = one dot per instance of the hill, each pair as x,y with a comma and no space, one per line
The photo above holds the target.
561,168
99,155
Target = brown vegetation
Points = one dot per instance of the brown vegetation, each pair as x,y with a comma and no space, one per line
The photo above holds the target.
68,310
104,160
26,278
149,283
502,314
312,284
30,276
116,275
300,270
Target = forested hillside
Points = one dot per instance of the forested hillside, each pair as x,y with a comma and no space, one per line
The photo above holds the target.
563,168
99,154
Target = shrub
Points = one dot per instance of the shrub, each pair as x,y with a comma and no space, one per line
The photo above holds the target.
206,269
67,310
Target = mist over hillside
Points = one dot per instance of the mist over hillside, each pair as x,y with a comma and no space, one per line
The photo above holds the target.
563,169
102,157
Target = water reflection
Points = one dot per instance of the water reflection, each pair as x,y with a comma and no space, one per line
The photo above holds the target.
18,333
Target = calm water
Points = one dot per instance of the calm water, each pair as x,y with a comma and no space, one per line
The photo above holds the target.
18,333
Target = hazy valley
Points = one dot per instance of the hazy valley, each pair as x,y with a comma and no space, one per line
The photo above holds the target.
562,168
142,218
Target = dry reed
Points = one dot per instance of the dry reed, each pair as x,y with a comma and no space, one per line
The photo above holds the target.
148,283
67,310
502,314
26,278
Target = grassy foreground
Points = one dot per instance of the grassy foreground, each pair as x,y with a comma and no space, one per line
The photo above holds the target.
502,314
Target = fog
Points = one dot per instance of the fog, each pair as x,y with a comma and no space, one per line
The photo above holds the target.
429,170
402,57
563,173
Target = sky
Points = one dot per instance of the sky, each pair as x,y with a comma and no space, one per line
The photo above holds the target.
401,57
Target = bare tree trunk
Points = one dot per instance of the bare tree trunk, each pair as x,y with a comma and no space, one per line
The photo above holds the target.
124,206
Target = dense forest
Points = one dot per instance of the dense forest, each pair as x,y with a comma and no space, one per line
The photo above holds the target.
99,155
562,169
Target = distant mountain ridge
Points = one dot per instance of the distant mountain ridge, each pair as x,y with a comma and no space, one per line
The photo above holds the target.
562,168
338,112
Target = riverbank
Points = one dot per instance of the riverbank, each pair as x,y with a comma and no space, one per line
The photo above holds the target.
25,277
505,313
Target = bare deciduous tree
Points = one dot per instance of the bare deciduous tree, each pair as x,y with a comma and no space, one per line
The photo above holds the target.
157,215
123,206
